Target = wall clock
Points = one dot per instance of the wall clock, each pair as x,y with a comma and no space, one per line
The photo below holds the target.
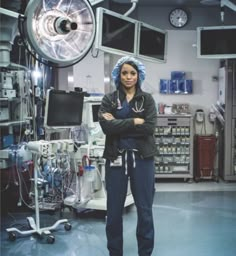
178,17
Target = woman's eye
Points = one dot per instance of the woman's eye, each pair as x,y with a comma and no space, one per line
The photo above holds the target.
126,73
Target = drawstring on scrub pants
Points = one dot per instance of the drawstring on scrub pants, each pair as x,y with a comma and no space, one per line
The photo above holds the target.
126,158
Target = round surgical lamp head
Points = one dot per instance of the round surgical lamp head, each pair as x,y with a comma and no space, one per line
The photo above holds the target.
60,31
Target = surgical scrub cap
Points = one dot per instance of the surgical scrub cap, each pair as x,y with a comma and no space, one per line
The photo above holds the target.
116,71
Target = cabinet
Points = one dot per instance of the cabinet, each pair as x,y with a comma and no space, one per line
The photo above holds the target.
174,141
225,111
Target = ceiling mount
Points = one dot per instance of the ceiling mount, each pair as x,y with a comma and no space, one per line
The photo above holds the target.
134,4
227,3
210,2
222,4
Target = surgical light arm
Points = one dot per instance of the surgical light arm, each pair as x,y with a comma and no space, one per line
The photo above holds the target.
228,4
9,13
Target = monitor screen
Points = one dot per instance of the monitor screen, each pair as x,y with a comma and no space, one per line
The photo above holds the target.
63,109
116,33
90,111
216,42
151,43
95,108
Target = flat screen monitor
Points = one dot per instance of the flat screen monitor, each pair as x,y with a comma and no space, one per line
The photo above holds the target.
217,42
90,113
95,108
151,43
116,33
63,109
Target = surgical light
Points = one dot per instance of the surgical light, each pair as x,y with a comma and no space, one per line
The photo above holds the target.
59,31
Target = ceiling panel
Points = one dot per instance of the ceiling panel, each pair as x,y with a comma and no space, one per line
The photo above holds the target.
189,3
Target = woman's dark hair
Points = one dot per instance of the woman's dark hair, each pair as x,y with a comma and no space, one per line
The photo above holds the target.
131,63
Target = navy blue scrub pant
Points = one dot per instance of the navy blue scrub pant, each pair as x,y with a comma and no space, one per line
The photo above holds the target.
142,181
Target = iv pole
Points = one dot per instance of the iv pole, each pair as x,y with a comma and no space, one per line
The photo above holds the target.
35,225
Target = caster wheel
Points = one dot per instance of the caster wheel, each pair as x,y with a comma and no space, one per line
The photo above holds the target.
190,181
12,236
67,226
50,239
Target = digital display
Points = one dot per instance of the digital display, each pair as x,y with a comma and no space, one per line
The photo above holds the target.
123,35
118,33
217,42
95,108
152,42
63,109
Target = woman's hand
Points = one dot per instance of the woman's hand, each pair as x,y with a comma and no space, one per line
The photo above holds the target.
108,116
138,121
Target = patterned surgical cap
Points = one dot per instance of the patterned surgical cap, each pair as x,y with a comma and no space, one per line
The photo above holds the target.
116,71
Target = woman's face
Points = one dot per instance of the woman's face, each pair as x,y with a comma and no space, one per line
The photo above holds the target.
128,76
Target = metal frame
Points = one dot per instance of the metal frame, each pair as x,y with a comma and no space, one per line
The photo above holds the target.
35,224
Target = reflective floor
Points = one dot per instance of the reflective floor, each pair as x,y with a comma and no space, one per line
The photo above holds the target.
190,220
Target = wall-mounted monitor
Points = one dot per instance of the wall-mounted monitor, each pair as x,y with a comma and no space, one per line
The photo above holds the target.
116,33
218,42
152,43
63,109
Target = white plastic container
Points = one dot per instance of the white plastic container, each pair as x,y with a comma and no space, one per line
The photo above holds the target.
89,172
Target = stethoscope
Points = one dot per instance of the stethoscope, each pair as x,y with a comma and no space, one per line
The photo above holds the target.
136,108
139,109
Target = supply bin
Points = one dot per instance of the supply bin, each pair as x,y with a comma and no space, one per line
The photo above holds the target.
204,157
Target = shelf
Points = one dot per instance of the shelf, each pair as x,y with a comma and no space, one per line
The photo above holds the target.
174,141
172,163
167,172
12,123
173,175
9,99
171,134
161,153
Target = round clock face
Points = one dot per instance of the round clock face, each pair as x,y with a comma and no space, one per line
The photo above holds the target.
178,18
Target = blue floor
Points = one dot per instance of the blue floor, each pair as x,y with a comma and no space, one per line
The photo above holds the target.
187,224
